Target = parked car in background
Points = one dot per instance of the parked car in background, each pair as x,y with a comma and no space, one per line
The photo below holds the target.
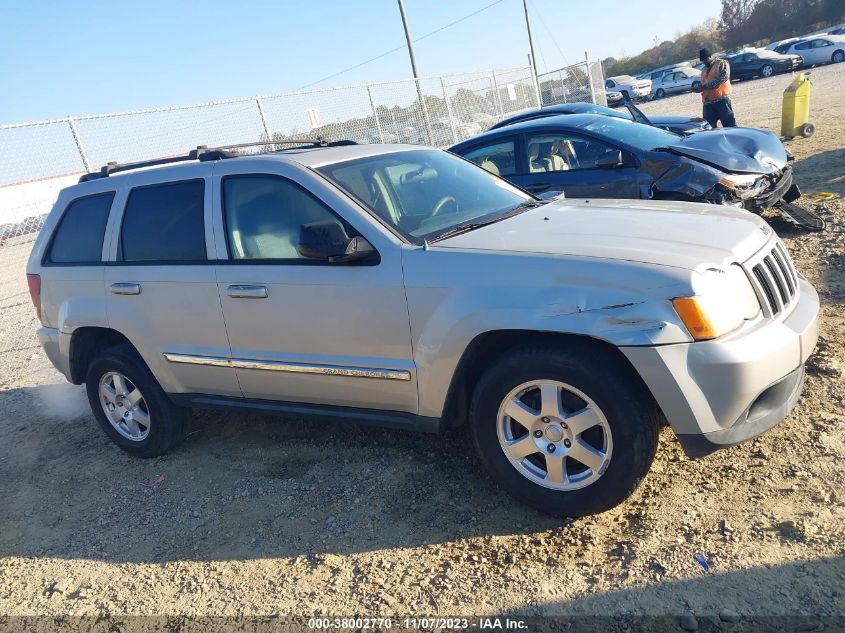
676,81
761,63
820,50
839,31
678,123
405,287
595,156
782,46
657,73
613,98
629,87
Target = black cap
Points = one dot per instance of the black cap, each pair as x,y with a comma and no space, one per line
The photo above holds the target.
703,54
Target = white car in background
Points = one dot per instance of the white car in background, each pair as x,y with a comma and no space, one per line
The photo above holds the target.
676,81
629,87
823,49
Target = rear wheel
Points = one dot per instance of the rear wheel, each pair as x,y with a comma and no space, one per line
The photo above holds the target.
838,57
568,432
130,405
767,70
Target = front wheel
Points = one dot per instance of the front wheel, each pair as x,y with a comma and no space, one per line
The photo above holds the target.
767,70
696,86
569,432
659,94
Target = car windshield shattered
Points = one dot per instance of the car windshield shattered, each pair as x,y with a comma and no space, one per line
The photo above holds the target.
427,194
642,137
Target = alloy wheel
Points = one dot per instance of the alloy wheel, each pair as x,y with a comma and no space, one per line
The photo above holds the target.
554,435
124,406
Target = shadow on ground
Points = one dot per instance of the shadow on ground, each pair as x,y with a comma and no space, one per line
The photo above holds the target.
824,171
242,486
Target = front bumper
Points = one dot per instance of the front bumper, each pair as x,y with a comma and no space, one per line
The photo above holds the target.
719,393
780,189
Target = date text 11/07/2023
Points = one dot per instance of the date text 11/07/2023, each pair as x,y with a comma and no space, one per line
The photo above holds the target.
416,624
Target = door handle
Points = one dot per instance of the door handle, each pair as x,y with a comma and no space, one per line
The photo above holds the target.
239,291
125,288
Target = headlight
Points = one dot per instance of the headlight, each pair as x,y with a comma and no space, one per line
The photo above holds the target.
744,185
722,300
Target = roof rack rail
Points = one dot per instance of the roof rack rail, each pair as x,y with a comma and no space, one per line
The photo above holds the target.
205,153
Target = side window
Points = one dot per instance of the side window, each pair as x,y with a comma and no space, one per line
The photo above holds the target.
557,152
822,43
803,46
263,215
164,223
499,158
79,237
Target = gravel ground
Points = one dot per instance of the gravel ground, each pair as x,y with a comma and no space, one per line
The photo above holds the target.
256,515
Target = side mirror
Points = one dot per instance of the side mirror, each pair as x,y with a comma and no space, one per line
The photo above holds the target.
610,160
327,240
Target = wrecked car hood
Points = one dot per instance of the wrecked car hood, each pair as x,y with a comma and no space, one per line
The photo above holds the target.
680,234
746,150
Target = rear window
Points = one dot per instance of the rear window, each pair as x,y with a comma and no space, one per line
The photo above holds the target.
79,236
164,223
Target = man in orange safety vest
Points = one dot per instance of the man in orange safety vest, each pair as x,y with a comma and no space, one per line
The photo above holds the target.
715,90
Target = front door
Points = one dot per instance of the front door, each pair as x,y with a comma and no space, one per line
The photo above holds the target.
557,161
307,330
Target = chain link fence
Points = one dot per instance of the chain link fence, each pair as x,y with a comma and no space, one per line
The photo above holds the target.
580,82
38,159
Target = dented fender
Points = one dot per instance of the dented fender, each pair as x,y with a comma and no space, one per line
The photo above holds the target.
456,296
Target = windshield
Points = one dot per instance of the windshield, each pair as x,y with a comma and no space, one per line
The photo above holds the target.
636,135
425,193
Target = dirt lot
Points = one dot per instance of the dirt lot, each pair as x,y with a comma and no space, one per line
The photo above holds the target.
260,515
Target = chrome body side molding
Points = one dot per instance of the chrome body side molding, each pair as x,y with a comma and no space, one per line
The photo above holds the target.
297,368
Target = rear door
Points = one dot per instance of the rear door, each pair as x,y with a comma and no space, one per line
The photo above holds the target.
563,161
161,292
307,330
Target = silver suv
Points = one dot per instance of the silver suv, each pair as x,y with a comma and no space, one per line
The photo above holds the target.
406,287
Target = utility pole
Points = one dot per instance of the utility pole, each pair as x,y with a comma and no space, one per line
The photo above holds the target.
414,70
530,44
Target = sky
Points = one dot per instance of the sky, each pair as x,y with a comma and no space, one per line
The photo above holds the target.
73,58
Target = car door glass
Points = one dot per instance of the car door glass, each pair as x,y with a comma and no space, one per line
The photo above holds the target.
803,46
821,43
164,223
263,215
79,236
559,152
499,158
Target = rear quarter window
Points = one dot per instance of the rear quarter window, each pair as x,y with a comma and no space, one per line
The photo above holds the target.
78,239
164,223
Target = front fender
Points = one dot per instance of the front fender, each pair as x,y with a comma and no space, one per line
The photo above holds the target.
622,303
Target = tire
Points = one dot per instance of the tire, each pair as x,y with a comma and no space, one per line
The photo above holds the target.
807,130
659,94
149,423
696,86
837,57
594,381
767,70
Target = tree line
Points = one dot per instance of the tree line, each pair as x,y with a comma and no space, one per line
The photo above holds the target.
741,23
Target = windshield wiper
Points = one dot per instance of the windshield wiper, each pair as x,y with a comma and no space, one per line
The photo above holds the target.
475,224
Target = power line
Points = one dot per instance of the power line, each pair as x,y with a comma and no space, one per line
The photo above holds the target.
399,48
549,31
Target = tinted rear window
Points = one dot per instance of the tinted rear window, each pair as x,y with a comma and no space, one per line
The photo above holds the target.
164,223
79,236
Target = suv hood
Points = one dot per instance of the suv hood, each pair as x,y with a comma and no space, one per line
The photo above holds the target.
680,234
746,150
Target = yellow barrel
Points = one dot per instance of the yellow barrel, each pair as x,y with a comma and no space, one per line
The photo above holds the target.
795,117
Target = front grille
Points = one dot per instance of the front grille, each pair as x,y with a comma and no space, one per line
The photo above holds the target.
774,279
